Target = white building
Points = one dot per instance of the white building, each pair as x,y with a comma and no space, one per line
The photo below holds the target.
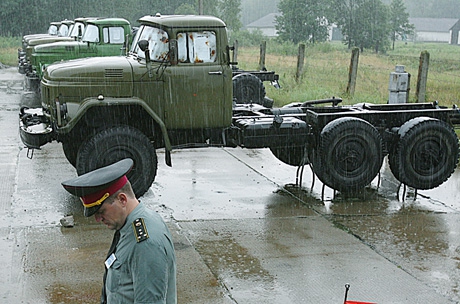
265,24
434,29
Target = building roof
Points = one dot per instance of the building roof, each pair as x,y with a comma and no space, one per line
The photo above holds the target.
433,24
266,21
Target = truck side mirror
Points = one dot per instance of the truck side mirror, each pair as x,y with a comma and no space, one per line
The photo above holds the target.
173,51
144,46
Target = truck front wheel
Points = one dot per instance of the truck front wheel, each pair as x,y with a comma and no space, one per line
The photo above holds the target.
71,151
114,144
349,154
426,153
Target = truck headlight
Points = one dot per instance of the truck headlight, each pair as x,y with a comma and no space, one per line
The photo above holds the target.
61,112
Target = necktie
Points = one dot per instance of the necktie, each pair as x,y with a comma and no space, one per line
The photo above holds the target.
113,247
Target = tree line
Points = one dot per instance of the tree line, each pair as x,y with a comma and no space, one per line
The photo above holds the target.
367,24
21,17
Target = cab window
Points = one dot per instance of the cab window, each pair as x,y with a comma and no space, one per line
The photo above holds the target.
197,47
114,35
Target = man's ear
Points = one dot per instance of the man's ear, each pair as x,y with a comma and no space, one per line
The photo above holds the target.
123,198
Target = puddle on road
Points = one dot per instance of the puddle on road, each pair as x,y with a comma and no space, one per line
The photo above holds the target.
425,244
241,254
417,231
63,265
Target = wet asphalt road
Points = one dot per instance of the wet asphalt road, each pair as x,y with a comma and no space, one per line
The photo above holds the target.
243,232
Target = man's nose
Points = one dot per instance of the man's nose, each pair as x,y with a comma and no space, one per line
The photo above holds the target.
98,217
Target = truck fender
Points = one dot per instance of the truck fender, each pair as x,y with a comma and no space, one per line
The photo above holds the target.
111,101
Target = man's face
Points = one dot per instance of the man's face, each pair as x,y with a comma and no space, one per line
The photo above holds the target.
113,214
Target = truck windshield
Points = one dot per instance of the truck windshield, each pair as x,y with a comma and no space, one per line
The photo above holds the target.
158,43
77,29
53,29
91,34
63,30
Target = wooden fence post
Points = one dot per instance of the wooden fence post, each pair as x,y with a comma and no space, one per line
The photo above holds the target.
200,7
300,61
235,51
353,71
422,77
263,50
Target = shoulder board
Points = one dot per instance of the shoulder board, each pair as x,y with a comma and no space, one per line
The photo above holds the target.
140,231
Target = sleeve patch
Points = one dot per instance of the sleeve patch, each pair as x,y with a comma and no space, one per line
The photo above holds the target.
140,231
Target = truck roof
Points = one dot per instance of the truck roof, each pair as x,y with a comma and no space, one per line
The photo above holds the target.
85,19
182,20
68,22
108,21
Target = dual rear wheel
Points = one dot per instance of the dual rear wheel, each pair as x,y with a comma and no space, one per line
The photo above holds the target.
426,153
349,153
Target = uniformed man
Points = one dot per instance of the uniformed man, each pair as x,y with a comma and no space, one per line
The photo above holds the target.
141,264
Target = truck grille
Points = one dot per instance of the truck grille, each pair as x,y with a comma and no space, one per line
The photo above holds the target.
113,73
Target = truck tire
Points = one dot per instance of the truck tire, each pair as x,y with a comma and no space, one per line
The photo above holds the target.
426,153
117,143
71,151
349,154
248,88
293,156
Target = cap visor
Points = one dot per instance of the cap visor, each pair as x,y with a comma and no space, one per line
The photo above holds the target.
91,211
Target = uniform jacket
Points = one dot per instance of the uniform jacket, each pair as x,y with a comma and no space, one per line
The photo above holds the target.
144,270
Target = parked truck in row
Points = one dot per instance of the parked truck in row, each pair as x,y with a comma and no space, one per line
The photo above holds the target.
67,30
175,90
101,37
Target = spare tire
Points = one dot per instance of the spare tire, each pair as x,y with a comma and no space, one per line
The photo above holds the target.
248,88
349,154
426,153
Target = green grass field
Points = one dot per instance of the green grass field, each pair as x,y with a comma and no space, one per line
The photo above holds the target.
9,50
325,72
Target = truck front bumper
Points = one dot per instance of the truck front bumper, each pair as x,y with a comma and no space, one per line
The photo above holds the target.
34,128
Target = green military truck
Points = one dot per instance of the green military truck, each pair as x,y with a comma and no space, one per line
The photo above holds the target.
53,30
175,90
102,37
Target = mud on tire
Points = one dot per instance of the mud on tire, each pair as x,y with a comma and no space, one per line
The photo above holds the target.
426,153
114,144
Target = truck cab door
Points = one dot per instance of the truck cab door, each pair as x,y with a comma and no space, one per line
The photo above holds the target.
198,87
